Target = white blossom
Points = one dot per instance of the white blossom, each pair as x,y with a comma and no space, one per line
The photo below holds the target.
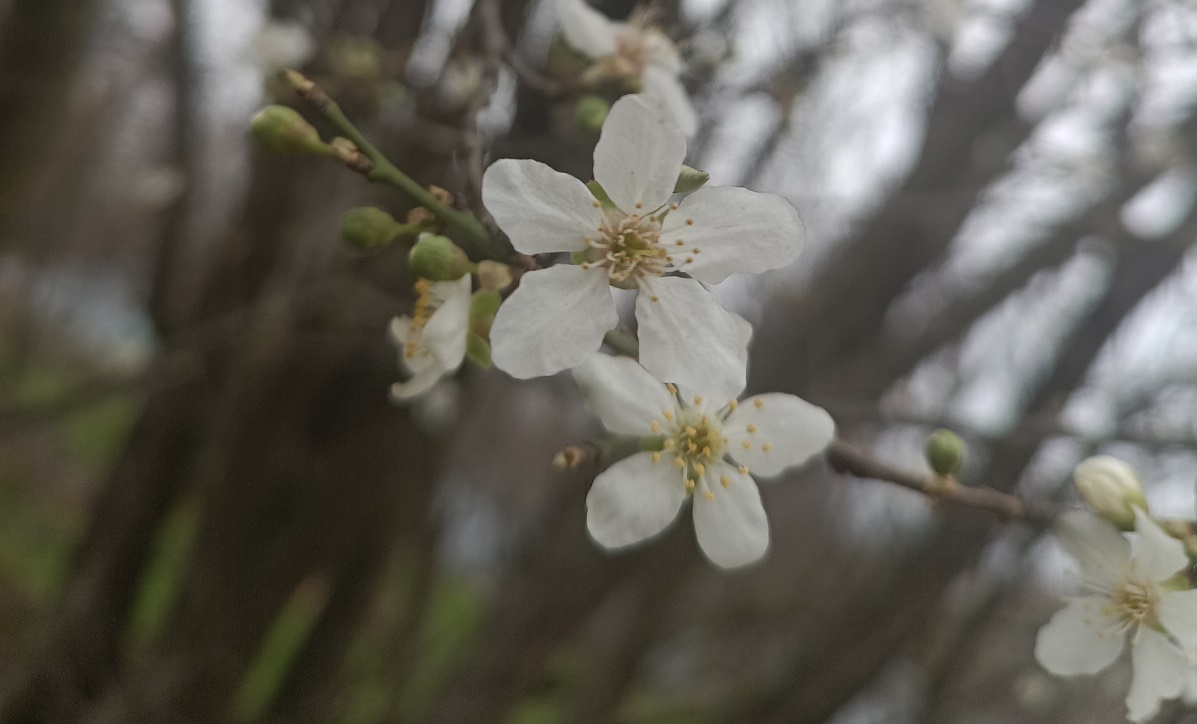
558,316
1110,488
433,340
709,449
1132,593
632,50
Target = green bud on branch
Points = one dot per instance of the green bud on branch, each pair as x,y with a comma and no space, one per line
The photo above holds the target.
282,130
369,228
1111,489
945,452
438,259
590,113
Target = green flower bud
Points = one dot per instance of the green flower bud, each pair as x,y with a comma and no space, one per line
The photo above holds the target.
1111,489
945,452
590,112
438,259
690,179
282,130
367,227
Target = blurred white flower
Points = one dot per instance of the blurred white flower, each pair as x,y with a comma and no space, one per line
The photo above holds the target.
1110,488
283,44
1133,594
558,316
632,50
709,449
433,340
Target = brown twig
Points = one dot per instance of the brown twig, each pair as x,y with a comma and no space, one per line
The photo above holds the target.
844,458
490,26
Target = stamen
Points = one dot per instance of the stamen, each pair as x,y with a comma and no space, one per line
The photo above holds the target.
656,457
733,405
698,399
656,427
700,469
667,414
689,222
709,496
725,481
743,469
767,447
751,428
690,485
679,462
759,403
747,444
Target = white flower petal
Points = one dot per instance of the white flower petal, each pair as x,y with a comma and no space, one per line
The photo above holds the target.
787,431
425,374
663,83
736,230
554,321
587,30
542,210
1102,553
1076,639
639,154
732,528
623,394
633,499
1160,669
445,333
1158,555
400,330
659,51
1178,614
688,339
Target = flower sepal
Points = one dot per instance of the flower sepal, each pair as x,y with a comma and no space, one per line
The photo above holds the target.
438,259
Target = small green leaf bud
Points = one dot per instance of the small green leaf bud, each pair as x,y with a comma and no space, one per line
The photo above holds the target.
591,111
1111,489
945,452
368,227
282,130
690,179
493,276
438,259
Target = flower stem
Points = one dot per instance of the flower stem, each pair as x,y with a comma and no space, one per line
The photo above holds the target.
381,170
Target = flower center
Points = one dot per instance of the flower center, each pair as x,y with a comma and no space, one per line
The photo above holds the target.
628,249
1134,601
425,305
694,440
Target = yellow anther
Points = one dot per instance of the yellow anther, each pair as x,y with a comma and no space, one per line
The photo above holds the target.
596,204
747,444
725,481
669,259
672,389
689,222
585,266
709,495
667,414
691,430
679,242
743,469
733,405
696,250
673,206
690,485
706,451
767,446
692,447
655,298
751,428
698,399
759,403
669,444
679,462
700,468
689,260
656,457
640,204
656,427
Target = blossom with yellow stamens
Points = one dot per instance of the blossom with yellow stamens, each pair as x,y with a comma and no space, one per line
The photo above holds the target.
558,315
433,339
1133,592
637,497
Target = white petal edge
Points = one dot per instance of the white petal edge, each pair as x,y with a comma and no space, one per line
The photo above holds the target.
1178,614
445,333
1072,642
688,339
732,528
1160,670
1102,553
736,230
424,378
554,321
639,154
793,429
1158,555
633,500
663,83
540,209
586,29
623,394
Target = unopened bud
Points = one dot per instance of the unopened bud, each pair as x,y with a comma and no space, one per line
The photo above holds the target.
945,452
572,456
1111,489
368,227
441,195
690,179
282,130
420,216
438,259
493,276
591,112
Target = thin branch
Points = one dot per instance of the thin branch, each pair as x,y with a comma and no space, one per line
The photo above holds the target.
493,40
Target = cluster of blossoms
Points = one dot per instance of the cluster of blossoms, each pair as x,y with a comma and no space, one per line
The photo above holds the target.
1136,591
